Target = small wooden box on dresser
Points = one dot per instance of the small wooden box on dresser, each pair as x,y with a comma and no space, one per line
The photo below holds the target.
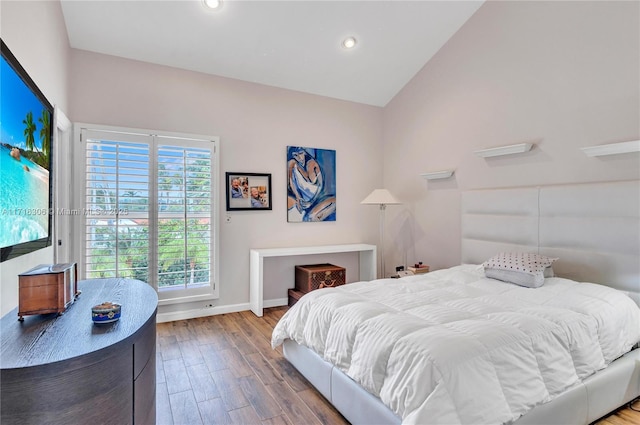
316,276
47,288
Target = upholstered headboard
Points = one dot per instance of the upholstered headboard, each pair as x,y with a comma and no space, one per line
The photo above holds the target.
593,228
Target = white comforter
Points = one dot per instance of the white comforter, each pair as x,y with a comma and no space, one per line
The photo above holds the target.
453,346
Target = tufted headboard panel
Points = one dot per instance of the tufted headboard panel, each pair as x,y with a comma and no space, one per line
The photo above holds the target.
593,228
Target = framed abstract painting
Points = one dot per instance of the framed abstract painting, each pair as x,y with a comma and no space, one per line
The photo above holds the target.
248,191
311,184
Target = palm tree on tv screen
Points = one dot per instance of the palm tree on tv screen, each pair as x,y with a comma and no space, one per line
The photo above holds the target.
29,129
45,135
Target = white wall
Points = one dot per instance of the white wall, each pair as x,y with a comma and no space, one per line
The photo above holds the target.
35,33
255,124
563,75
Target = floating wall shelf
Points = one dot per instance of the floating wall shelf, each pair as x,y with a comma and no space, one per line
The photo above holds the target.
435,175
505,150
612,148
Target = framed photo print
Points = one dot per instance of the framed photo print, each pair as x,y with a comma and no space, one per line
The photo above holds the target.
248,191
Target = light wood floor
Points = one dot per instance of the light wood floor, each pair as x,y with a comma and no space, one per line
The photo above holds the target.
222,370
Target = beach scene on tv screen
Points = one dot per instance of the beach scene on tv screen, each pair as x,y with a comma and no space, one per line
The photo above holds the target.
25,149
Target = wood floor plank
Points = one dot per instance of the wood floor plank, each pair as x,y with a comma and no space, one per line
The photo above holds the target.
163,329
244,415
266,323
228,323
259,323
159,368
259,397
232,396
213,358
168,347
290,374
278,312
163,406
291,404
185,408
236,362
213,412
213,322
206,331
190,351
234,399
324,411
271,319
278,420
241,342
176,376
218,339
225,380
202,383
262,369
181,329
248,328
263,346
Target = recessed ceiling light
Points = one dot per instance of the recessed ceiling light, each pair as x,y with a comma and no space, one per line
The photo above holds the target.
212,4
349,42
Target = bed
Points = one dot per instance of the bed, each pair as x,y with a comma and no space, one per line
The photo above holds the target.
575,373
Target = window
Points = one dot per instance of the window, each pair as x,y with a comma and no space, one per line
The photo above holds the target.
150,209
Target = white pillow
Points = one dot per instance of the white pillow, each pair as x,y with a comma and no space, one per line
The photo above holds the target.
521,268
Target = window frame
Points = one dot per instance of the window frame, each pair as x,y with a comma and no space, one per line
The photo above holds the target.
156,138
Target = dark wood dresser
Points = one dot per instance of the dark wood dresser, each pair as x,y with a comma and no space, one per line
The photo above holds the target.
66,370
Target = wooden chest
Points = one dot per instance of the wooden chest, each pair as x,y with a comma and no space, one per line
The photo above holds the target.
316,276
47,289
294,296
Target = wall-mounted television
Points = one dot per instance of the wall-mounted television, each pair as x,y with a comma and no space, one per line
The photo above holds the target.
26,136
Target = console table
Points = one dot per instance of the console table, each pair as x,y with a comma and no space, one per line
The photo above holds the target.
368,265
64,369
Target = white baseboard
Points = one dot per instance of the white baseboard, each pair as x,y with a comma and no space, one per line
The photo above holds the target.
278,302
212,311
201,312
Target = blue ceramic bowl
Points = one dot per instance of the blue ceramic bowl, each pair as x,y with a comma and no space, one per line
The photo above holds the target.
105,313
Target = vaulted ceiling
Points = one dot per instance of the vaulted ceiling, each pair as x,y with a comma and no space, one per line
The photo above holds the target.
295,45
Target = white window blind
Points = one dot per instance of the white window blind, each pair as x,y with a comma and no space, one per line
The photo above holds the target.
150,211
184,216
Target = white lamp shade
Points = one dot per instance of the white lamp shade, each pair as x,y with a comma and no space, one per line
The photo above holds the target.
380,197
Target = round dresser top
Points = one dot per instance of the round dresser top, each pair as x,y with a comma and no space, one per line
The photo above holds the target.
48,338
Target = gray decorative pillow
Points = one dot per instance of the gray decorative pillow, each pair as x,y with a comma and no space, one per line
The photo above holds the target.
548,272
521,268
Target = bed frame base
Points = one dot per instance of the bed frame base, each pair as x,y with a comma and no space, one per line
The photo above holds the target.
584,403
356,404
